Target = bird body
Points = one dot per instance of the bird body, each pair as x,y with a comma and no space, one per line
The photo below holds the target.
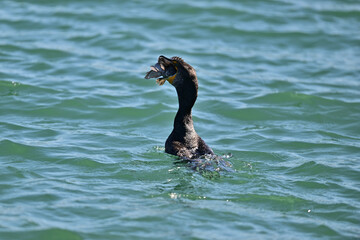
183,140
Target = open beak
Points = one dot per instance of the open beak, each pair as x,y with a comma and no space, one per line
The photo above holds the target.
164,69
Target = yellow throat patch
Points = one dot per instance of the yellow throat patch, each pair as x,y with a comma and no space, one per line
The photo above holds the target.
171,79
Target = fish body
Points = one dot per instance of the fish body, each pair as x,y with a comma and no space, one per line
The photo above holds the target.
162,70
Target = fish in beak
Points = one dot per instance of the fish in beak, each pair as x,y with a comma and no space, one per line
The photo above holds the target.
164,69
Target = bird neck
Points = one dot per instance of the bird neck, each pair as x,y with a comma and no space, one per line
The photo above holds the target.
183,122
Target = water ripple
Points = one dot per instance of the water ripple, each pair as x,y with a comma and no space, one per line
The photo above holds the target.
82,133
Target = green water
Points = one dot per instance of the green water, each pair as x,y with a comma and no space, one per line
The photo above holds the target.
82,132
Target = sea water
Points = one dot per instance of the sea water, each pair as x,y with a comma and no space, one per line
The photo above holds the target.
82,132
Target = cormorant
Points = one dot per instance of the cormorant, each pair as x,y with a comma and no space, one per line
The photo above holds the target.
183,140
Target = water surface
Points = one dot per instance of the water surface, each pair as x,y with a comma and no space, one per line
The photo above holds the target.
82,132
